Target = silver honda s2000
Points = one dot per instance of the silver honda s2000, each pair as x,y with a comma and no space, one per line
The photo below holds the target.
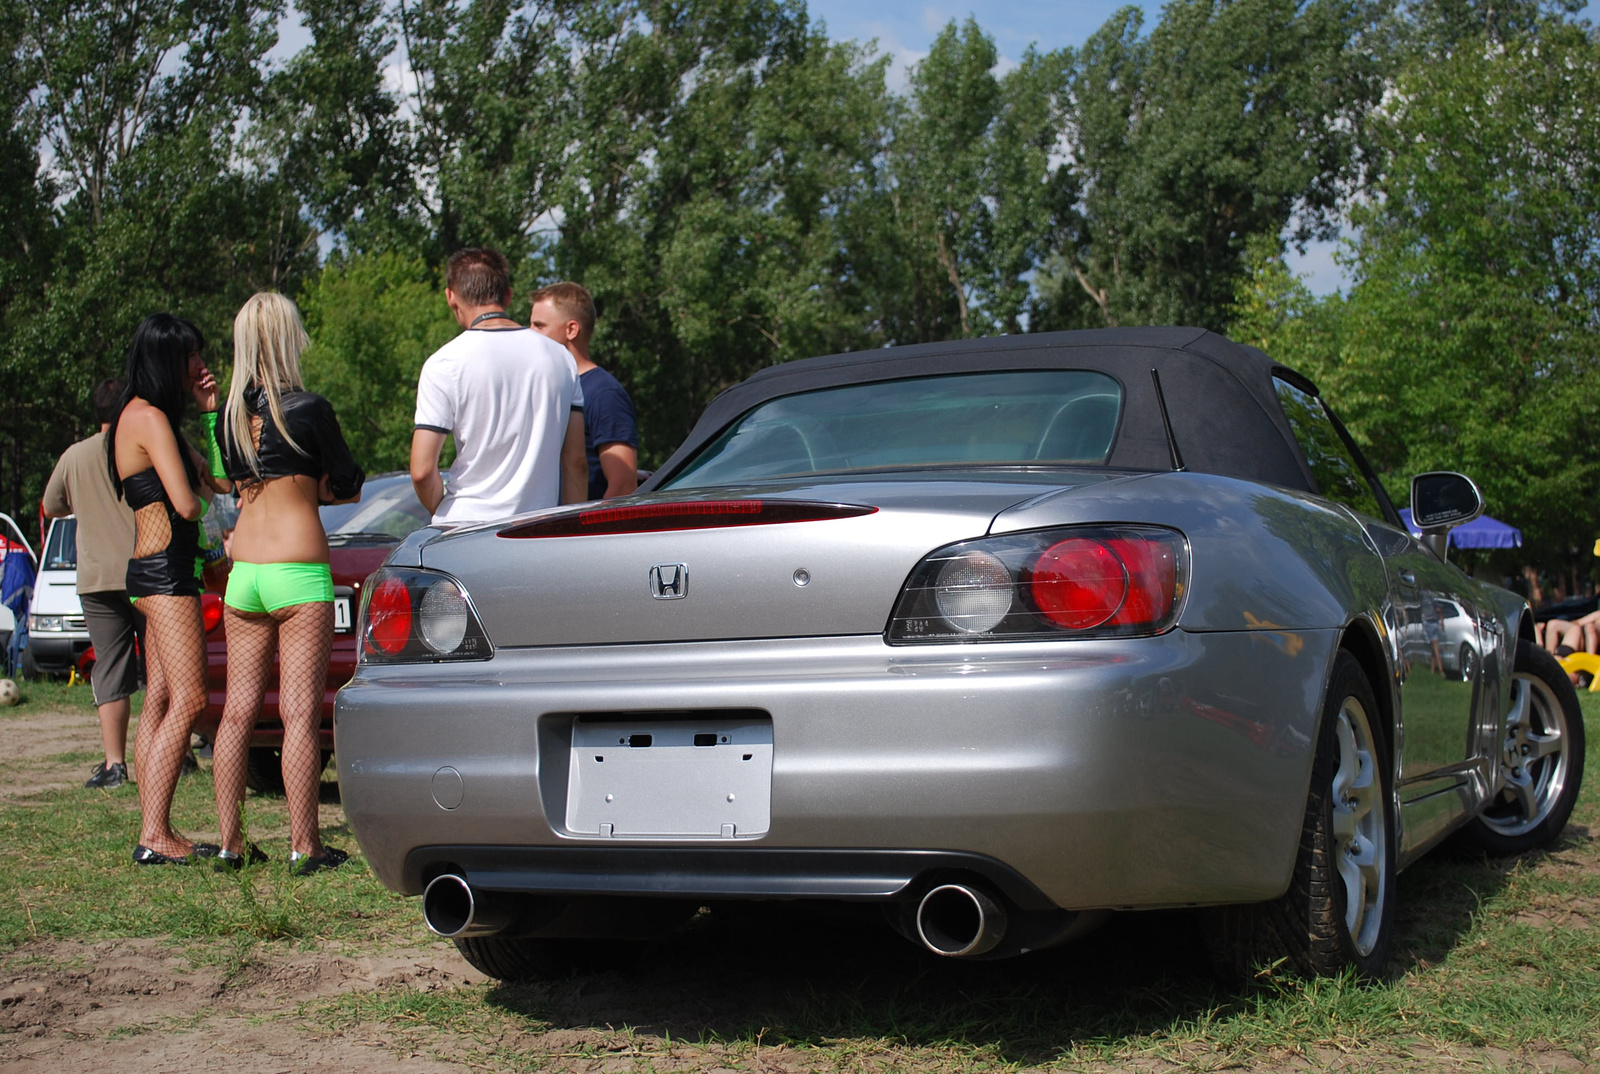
1000,634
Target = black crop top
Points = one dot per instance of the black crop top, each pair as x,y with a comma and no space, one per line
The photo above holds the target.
315,429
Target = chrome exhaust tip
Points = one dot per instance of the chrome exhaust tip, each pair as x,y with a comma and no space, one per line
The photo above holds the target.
959,921
452,909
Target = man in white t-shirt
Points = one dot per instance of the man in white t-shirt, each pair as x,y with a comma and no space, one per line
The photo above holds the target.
511,398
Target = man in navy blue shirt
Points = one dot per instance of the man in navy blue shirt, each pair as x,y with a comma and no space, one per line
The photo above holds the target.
565,312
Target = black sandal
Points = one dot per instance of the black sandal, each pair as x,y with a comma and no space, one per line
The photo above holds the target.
306,864
143,855
227,859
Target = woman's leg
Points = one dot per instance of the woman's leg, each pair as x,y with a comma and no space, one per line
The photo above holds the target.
305,639
252,639
176,645
155,704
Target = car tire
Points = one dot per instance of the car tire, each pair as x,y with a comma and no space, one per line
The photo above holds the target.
1542,757
1338,913
514,959
1467,663
264,769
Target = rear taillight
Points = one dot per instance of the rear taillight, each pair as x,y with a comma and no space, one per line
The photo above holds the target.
210,611
411,615
682,515
1076,582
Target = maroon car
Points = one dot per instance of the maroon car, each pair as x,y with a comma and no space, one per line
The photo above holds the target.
360,535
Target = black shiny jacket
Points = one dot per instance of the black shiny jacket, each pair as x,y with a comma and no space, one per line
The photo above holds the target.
314,427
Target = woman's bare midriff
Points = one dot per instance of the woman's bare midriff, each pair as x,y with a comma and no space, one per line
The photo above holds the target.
278,522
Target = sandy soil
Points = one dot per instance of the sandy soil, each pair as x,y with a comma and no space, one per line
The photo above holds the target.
138,1006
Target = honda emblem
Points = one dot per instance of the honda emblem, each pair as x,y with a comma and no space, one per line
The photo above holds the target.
669,581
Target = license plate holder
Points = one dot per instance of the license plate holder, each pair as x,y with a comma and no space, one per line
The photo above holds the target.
677,778
343,621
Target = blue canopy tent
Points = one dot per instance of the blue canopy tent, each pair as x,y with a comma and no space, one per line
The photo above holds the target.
1481,532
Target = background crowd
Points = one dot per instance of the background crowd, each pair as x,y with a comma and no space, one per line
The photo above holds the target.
509,398
737,189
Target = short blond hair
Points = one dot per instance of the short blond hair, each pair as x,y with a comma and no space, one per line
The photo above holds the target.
572,299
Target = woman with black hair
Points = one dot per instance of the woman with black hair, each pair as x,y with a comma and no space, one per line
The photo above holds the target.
159,474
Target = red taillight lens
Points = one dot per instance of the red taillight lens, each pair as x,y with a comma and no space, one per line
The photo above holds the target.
389,616
683,515
1078,583
1081,582
1152,579
210,611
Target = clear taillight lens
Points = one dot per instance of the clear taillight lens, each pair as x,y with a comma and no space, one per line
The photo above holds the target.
410,615
1074,582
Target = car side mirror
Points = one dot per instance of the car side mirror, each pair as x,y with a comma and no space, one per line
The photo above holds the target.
1441,501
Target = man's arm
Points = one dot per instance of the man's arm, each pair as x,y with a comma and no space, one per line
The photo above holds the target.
57,501
574,463
426,444
620,464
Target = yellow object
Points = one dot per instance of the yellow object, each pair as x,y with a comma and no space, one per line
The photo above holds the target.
72,677
1584,662
1597,546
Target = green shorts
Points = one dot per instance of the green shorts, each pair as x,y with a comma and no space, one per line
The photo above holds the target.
266,587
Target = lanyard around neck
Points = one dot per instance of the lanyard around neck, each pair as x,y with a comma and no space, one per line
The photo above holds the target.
491,315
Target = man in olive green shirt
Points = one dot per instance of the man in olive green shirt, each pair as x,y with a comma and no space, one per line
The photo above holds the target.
81,485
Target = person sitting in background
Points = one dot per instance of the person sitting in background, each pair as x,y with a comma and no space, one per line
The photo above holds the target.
1563,637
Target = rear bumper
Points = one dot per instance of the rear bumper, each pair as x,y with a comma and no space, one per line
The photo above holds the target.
57,652
712,873
1146,772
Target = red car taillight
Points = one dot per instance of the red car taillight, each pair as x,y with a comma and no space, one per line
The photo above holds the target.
389,616
210,611
1080,581
410,614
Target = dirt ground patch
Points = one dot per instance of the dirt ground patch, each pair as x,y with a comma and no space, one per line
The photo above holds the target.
67,1006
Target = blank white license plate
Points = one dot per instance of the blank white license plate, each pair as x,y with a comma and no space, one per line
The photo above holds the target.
678,778
341,615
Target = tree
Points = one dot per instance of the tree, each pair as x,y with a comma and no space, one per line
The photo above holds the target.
1232,119
962,212
373,320
724,143
1472,334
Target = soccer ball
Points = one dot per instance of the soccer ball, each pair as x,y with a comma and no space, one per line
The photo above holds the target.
9,694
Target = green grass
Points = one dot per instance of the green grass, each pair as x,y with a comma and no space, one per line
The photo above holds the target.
1496,962
55,695
66,856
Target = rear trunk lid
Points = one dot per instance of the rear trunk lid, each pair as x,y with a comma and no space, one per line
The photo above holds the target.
836,576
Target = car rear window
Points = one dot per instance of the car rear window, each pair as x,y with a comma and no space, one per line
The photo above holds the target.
1033,417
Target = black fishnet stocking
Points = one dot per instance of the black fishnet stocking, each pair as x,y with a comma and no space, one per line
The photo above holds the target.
302,635
175,670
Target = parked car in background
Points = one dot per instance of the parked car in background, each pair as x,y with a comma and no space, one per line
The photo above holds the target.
58,638
1002,635
360,535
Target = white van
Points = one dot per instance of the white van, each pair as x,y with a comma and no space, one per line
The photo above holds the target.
57,636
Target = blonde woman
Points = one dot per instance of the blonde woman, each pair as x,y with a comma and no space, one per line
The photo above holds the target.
286,455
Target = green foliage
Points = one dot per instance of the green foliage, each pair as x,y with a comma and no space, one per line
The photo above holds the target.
1471,339
1229,121
373,321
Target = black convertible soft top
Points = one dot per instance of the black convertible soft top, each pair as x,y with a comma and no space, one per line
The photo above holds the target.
1219,394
